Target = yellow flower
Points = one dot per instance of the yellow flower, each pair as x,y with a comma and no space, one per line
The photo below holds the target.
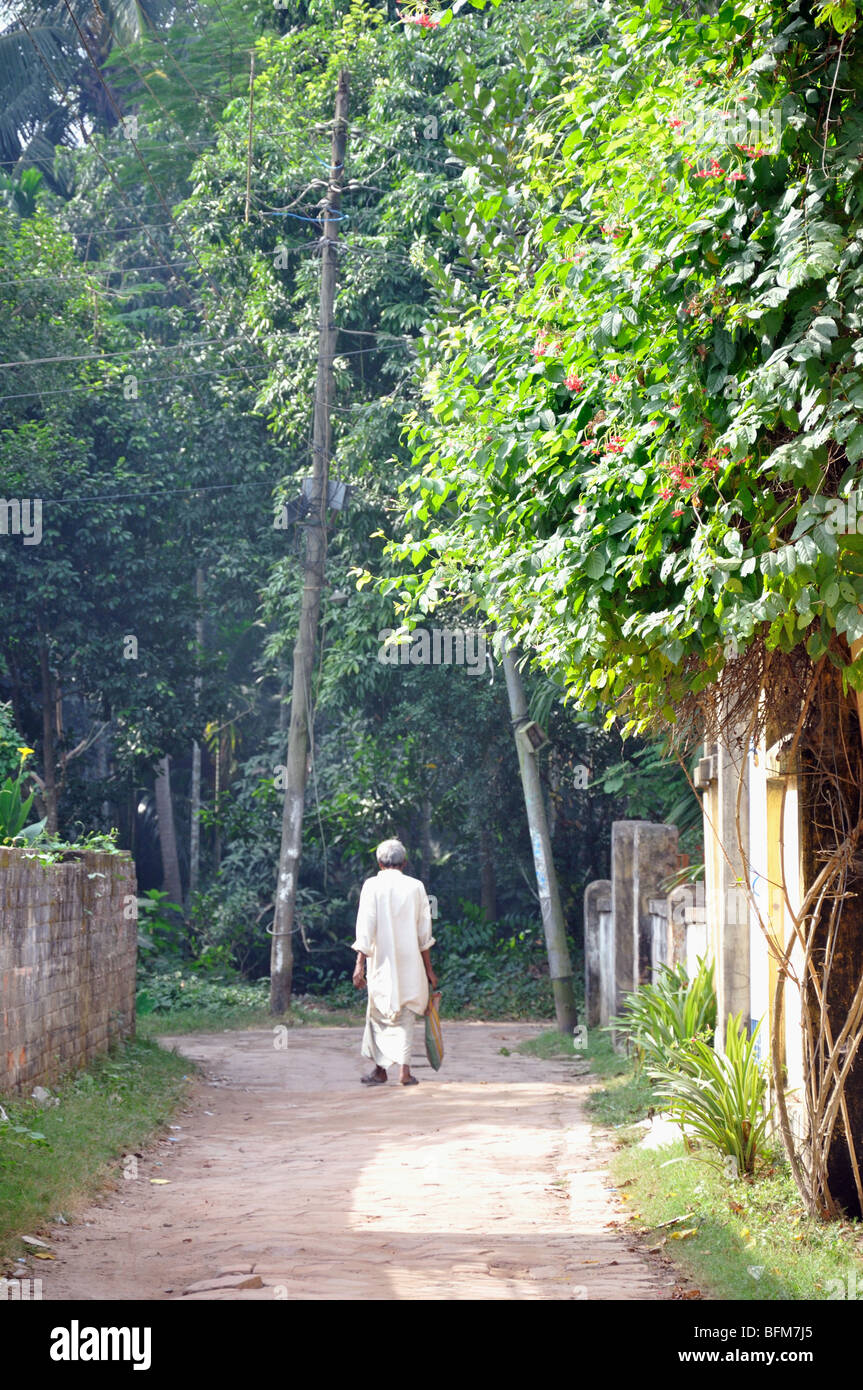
25,752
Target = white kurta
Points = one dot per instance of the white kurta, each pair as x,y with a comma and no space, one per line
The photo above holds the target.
393,927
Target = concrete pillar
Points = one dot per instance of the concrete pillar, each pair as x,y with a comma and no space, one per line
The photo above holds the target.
598,957
643,854
658,910
727,924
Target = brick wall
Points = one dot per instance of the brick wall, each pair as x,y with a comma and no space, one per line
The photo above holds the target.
67,963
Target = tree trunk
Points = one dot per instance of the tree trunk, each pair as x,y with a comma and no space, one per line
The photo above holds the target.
217,793
559,964
831,810
49,750
425,841
171,882
488,885
299,733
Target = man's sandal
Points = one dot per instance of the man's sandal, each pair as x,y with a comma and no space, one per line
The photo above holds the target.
372,1080
411,1081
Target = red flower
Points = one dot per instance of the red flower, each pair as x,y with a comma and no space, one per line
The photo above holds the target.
574,383
675,125
666,493
738,177
678,511
614,378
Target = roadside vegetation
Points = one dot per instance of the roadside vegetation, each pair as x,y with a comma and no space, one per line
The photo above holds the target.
59,1154
719,1201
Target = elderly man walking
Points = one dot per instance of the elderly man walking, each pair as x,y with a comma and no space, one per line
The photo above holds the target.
394,935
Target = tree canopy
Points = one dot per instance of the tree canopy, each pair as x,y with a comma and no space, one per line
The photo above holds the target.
642,412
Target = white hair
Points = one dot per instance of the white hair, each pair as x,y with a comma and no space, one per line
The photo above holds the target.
391,853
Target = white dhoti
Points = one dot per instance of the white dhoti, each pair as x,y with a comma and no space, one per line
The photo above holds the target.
388,1041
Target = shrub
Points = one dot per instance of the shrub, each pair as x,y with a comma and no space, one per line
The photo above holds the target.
668,1013
718,1097
10,744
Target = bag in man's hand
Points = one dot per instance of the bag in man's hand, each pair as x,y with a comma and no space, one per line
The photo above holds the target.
434,1037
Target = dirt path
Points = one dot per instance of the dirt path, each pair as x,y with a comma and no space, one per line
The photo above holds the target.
483,1182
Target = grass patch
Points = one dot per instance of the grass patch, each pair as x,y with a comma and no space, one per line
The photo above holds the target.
626,1099
627,1096
113,1107
603,1059
752,1238
550,1044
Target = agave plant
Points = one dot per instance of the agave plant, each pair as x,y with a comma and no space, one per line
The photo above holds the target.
668,1013
719,1098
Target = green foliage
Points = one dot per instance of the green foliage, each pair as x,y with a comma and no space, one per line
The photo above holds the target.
53,849
165,990
11,744
213,317
719,1097
641,412
671,1012
15,808
492,970
17,1136
160,935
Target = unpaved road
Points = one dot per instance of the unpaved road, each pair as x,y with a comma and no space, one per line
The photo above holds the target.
483,1182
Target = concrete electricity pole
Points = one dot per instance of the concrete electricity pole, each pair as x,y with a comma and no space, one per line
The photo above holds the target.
559,964
299,733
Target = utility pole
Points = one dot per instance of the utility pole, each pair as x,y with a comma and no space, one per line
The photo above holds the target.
559,964
299,733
